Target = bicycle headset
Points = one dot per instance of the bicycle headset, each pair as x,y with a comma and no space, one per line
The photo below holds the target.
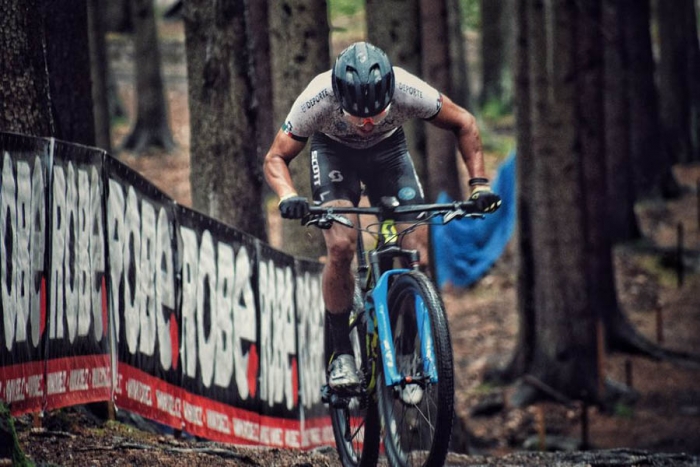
363,80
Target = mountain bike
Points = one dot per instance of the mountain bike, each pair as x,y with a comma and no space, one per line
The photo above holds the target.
401,341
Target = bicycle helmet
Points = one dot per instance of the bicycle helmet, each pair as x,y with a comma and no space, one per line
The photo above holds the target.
363,80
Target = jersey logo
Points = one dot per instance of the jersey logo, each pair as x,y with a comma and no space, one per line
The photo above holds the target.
335,176
407,193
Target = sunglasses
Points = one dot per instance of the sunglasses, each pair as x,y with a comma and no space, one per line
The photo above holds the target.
361,121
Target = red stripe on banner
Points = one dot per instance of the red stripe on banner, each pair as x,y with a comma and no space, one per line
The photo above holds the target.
317,432
220,422
78,380
22,387
151,397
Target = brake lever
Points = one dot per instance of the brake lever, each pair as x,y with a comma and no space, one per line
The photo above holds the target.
342,220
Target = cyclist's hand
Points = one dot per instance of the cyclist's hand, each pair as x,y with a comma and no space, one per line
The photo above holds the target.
485,200
294,207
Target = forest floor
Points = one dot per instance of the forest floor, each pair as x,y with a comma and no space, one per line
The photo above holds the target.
663,421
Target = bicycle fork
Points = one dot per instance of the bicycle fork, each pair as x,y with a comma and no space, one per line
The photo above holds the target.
380,310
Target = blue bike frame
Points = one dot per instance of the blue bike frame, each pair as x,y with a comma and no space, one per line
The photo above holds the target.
379,307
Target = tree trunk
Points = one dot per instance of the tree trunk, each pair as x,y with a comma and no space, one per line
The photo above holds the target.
649,156
98,71
677,75
564,342
225,175
24,87
440,145
299,41
459,71
394,26
259,51
496,44
68,64
622,221
151,128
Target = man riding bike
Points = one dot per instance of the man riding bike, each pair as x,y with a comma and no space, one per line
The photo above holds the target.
353,114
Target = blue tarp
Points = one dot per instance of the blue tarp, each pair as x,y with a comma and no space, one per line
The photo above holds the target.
465,249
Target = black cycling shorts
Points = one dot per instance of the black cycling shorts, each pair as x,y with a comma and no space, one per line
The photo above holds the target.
386,169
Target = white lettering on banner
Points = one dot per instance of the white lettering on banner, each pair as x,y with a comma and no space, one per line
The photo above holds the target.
291,438
246,429
77,254
34,388
310,309
218,422
277,334
141,258
193,414
218,286
22,227
14,390
271,436
100,377
56,383
139,392
79,380
168,403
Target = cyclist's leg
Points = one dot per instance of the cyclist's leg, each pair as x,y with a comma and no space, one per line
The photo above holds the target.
335,183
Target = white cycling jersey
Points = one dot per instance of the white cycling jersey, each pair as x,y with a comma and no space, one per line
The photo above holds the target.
317,110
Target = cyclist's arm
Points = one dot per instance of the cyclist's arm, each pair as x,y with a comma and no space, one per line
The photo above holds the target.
463,124
276,165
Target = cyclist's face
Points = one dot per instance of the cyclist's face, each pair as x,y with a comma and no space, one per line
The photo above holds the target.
367,123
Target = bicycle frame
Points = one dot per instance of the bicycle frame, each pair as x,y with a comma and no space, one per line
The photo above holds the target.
388,249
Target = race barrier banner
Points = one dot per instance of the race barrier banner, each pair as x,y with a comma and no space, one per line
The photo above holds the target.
110,290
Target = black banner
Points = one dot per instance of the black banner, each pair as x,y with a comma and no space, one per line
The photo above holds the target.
144,294
78,367
23,278
219,328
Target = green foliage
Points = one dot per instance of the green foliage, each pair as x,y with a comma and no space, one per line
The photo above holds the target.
471,14
344,7
7,425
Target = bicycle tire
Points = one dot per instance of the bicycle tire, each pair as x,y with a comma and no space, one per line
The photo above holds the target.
356,428
417,432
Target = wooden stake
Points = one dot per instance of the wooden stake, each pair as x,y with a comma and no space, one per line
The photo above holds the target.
541,428
36,419
600,338
659,326
585,444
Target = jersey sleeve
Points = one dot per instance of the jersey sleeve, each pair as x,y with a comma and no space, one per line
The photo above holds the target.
307,112
423,100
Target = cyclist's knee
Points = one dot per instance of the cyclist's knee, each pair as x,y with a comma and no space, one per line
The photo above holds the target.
341,249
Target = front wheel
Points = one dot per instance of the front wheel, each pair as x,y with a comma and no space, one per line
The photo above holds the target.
418,415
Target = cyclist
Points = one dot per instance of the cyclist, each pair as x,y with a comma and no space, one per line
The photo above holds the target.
353,115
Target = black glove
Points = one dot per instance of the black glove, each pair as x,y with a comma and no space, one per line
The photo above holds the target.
294,207
486,201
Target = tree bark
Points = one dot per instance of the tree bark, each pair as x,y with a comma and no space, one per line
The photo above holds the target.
24,87
225,175
440,145
299,42
677,76
151,127
99,73
622,221
649,156
68,64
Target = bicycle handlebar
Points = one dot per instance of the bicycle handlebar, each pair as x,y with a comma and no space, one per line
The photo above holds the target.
324,216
